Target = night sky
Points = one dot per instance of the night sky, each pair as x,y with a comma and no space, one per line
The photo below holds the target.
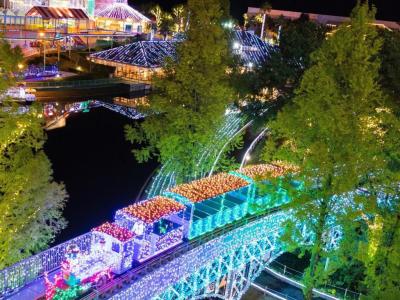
387,9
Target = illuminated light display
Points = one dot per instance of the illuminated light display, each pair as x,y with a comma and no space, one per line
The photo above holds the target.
210,187
156,222
191,272
264,171
120,16
166,179
141,60
152,210
121,11
109,249
115,231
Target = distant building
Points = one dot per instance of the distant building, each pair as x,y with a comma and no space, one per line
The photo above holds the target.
21,7
318,18
142,60
119,16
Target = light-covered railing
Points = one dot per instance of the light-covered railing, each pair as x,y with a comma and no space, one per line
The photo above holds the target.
74,83
31,268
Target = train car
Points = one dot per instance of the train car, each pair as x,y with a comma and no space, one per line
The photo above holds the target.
157,224
148,228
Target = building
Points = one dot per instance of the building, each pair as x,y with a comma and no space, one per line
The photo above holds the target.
142,60
119,16
318,18
69,19
137,61
21,7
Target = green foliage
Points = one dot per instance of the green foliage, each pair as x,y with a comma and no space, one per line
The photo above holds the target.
30,202
390,69
9,59
276,80
192,95
335,130
68,294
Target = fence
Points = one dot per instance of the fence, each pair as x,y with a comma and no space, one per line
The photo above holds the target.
28,270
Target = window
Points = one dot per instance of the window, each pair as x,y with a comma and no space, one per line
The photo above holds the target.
115,247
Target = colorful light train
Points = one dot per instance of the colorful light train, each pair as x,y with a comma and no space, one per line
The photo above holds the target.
148,228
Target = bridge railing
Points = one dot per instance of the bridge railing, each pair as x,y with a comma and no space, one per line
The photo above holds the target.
297,276
74,83
31,268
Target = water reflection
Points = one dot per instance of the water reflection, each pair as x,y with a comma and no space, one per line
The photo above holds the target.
56,113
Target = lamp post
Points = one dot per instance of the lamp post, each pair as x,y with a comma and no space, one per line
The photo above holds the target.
42,34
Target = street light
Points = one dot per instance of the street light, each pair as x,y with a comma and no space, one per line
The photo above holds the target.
42,35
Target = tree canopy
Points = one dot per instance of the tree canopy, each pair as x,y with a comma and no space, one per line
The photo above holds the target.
336,131
31,202
191,96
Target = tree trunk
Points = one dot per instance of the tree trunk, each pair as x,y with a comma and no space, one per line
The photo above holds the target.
316,250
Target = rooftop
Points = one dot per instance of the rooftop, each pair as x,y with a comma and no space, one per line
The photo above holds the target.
57,13
121,11
209,187
149,54
319,18
152,210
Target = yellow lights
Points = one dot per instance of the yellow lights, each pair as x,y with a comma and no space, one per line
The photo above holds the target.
41,34
20,66
79,68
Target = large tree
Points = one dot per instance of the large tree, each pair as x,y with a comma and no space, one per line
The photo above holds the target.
280,75
334,131
191,96
31,202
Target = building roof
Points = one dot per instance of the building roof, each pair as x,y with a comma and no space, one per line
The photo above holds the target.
209,187
57,13
121,11
152,210
152,54
319,18
250,48
116,231
148,54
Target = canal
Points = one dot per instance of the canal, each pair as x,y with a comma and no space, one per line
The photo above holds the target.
91,157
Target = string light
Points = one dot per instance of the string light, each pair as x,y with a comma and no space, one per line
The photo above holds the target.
115,231
154,209
210,187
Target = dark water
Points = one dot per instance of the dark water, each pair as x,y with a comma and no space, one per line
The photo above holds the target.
92,158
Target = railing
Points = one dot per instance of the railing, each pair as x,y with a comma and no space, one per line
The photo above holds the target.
272,292
30,269
297,276
74,83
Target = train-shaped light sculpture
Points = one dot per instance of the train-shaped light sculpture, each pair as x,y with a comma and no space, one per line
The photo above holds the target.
145,229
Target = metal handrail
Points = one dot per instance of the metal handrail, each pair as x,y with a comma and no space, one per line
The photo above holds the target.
289,273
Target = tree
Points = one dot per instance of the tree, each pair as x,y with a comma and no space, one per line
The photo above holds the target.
179,15
334,131
265,8
390,69
31,202
158,13
166,25
191,96
278,77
